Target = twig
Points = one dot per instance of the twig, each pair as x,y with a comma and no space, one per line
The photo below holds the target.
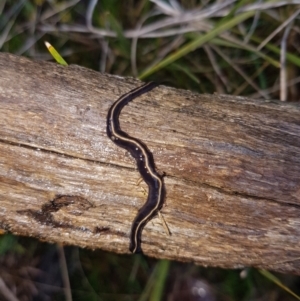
283,75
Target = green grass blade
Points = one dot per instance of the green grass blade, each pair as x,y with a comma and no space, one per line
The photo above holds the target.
55,54
160,279
274,279
290,57
197,43
156,282
175,67
223,42
232,12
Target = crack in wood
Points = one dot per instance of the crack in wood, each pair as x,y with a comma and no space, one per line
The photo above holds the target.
45,215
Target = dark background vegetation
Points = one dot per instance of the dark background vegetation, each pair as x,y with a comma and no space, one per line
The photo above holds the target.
256,57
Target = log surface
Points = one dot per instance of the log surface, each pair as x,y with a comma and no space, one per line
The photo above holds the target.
232,168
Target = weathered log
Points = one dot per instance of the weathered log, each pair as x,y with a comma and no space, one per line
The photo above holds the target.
232,168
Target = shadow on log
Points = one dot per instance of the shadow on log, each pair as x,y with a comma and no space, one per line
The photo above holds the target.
232,168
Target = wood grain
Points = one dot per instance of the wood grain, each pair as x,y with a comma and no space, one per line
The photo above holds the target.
232,168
